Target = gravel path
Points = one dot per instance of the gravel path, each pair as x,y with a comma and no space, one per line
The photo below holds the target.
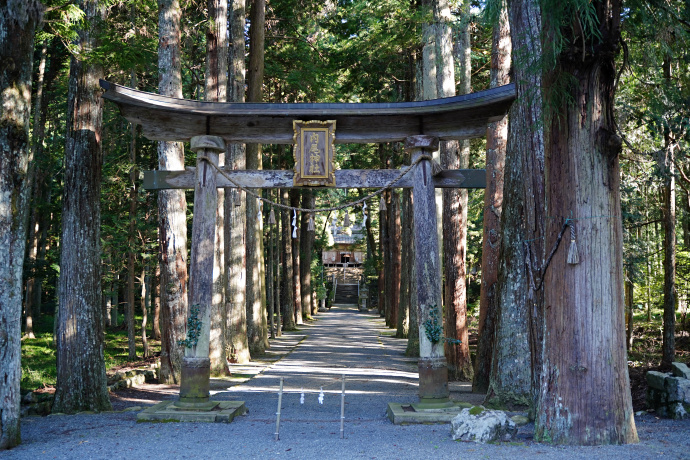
342,341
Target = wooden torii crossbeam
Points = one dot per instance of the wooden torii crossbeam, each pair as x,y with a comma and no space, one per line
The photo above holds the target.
209,125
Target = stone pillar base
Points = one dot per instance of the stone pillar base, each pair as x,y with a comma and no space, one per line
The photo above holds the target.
195,380
433,380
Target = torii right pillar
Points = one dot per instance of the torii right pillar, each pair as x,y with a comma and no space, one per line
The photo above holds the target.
433,370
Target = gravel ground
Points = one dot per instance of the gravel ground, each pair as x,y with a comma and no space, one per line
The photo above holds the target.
342,341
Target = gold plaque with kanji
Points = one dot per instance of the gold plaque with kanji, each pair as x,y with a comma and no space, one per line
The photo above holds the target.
314,153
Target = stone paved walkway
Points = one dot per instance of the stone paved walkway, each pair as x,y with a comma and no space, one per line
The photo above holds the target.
340,341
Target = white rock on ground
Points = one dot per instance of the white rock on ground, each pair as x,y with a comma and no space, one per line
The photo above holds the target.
481,425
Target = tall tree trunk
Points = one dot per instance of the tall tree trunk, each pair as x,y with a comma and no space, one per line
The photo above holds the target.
156,333
496,138
395,251
215,89
270,280
35,190
584,396
131,254
145,292
172,205
306,247
18,21
510,382
668,207
276,262
288,275
454,155
235,204
255,308
522,216
81,381
406,262
388,258
296,284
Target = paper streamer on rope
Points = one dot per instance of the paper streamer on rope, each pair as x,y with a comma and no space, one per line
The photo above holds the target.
573,258
346,223
321,396
310,225
259,215
364,214
382,204
272,217
294,223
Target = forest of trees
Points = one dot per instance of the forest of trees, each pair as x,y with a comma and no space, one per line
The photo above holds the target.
580,241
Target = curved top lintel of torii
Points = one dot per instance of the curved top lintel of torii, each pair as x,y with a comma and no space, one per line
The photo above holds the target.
164,118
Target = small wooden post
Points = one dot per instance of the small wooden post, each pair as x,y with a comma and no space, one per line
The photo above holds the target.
342,410
280,402
196,366
433,370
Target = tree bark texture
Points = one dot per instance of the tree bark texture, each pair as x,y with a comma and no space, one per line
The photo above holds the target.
406,262
235,203
668,207
288,269
510,365
388,260
18,21
255,308
584,397
131,255
172,205
216,89
522,219
496,138
81,380
394,233
306,248
34,192
297,285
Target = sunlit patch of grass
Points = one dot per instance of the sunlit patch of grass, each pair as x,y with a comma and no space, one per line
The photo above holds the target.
39,354
38,362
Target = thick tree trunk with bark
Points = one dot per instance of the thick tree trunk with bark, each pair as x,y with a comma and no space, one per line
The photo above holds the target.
522,220
496,138
510,382
237,347
256,309
81,381
584,397
215,88
172,205
18,21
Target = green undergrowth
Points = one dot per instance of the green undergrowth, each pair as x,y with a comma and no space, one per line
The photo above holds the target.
39,354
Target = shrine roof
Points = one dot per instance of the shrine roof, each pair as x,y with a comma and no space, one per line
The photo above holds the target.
169,119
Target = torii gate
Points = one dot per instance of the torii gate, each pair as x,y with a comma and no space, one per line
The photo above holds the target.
209,125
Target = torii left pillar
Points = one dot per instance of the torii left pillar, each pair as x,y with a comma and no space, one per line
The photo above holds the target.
194,404
196,365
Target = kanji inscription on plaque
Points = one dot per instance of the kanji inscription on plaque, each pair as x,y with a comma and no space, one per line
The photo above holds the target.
314,152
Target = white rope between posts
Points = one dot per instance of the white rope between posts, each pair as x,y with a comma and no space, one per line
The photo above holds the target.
403,171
